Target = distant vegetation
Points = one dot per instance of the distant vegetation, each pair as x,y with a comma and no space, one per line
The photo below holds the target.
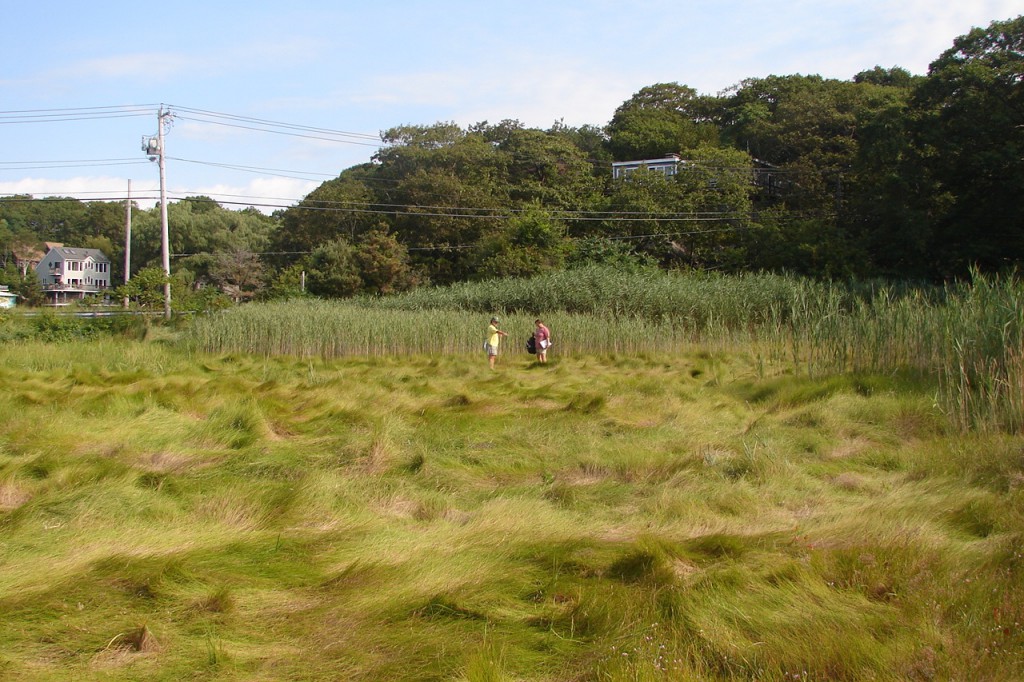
886,174
968,338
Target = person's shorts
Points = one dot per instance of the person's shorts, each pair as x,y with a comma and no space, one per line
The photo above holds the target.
492,350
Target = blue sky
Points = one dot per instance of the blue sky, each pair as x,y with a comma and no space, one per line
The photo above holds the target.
80,83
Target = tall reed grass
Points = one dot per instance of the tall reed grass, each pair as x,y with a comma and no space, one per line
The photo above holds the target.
967,336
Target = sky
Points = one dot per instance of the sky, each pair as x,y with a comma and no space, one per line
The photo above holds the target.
266,101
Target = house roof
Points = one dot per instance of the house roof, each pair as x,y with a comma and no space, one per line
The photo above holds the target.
76,253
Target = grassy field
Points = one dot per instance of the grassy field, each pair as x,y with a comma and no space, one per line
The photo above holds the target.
698,514
967,338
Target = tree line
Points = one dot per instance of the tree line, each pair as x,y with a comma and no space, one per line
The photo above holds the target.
886,174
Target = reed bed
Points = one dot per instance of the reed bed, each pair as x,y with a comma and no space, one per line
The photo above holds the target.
967,337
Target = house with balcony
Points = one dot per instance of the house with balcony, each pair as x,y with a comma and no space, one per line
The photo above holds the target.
667,166
70,274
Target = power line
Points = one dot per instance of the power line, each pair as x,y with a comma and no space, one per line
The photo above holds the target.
74,114
248,119
277,172
131,107
425,211
57,165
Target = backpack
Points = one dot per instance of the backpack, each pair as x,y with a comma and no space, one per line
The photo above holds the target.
531,345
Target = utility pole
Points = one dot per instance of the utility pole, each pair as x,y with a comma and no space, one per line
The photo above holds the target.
154,148
128,239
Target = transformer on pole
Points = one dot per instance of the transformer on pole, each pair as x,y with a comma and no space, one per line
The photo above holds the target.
154,149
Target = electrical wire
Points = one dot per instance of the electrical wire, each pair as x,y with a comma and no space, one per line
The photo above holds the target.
276,172
280,132
292,126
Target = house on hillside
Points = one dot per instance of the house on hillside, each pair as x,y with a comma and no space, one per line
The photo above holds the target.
7,299
768,178
70,274
667,166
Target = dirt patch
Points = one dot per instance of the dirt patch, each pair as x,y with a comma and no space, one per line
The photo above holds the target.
126,647
850,447
166,462
849,481
684,569
12,497
584,478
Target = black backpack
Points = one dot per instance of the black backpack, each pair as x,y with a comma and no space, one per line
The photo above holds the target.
531,345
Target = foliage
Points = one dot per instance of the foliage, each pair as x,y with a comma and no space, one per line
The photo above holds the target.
376,264
659,120
287,283
146,291
531,242
967,336
971,133
883,174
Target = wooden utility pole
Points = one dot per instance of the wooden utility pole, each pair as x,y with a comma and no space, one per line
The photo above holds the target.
128,239
154,148
164,235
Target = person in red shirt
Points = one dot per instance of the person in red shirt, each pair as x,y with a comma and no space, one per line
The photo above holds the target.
542,337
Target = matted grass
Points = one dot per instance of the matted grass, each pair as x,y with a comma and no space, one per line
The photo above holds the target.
691,516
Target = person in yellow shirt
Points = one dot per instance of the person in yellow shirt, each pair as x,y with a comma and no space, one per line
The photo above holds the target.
493,341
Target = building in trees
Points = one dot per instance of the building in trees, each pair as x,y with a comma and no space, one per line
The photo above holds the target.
69,274
667,166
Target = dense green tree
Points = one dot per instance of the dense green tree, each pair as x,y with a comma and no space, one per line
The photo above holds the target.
715,188
383,263
333,270
286,283
145,289
591,140
971,134
608,251
660,119
547,168
894,77
239,274
52,219
346,206
644,209
529,243
449,188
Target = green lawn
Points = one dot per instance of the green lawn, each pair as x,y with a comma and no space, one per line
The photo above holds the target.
701,516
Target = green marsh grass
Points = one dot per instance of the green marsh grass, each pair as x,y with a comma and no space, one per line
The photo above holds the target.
967,338
168,513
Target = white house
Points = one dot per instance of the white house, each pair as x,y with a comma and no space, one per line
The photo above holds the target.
69,273
667,166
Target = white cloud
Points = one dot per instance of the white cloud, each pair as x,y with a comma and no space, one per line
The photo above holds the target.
153,66
266,194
